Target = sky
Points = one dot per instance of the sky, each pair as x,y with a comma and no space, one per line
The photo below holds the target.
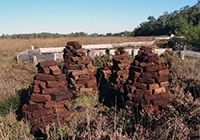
89,16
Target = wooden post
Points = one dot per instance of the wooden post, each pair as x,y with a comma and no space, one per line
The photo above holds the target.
54,56
35,62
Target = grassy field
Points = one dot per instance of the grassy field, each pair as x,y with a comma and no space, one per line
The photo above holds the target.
95,121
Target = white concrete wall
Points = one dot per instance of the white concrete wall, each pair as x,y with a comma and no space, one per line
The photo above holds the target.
97,46
51,50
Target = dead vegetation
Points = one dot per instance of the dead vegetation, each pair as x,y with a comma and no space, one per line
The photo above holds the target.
181,120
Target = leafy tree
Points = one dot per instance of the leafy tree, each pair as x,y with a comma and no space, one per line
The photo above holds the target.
184,22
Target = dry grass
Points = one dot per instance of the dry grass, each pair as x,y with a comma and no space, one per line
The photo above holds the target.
21,44
95,121
11,129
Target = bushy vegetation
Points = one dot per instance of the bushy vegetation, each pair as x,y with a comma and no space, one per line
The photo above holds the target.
93,120
101,60
11,129
183,23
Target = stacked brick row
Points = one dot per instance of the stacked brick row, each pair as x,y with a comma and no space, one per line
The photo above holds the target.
120,70
148,82
79,69
113,78
48,96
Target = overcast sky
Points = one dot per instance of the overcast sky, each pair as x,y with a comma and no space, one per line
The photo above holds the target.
90,16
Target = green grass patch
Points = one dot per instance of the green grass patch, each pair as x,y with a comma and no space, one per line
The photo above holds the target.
9,104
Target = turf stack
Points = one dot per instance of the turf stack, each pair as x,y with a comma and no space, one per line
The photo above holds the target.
113,79
48,96
79,69
148,82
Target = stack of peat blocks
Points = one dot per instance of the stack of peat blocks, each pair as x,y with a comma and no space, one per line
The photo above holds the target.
120,70
113,79
148,82
79,70
48,96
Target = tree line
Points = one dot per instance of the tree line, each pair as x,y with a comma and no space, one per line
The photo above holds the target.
57,35
184,23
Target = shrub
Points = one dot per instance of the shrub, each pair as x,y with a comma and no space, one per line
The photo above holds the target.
99,61
11,129
9,104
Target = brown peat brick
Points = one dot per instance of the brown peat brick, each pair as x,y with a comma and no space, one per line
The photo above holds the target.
164,84
138,98
163,72
159,90
147,80
74,44
145,48
76,67
153,86
120,57
153,58
165,96
82,81
74,59
47,63
147,107
137,69
160,79
156,97
53,90
132,89
46,70
91,67
55,70
78,86
41,112
122,72
161,102
140,52
36,89
40,98
79,72
148,97
56,83
140,85
141,58
152,68
142,91
145,64
35,106
27,115
62,96
81,52
149,74
25,107
44,77
42,85
136,74
86,90
130,95
60,77
136,63
91,82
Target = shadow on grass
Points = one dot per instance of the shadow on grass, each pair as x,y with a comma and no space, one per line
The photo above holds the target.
193,86
23,95
109,96
23,99
9,104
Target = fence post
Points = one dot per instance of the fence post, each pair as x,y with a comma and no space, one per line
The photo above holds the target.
182,54
54,56
35,62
